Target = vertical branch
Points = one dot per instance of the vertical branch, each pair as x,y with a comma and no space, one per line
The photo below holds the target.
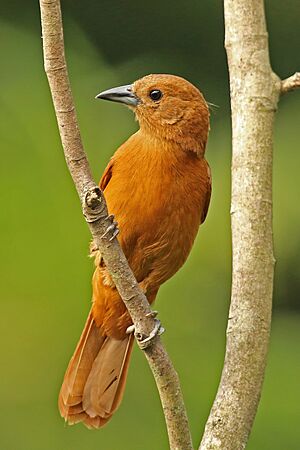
95,212
254,91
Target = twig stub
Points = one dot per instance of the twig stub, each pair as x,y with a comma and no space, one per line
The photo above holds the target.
291,83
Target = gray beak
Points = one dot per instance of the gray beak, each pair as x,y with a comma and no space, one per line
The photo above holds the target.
121,94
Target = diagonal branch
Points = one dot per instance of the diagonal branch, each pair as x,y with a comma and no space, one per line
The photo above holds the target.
95,212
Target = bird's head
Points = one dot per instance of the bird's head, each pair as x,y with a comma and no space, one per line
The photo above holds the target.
167,107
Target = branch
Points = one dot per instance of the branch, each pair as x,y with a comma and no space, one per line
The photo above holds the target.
254,92
291,83
95,212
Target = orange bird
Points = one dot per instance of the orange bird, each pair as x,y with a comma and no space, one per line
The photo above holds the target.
158,187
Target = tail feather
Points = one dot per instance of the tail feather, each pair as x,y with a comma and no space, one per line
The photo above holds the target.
95,379
104,387
81,363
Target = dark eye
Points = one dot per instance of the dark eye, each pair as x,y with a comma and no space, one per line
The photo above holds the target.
155,95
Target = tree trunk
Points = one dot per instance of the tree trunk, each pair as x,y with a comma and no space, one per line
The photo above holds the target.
254,90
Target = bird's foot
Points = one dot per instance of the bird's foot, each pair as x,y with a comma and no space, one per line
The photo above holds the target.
130,329
112,228
146,341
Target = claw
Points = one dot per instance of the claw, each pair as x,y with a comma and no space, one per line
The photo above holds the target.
111,228
115,233
152,314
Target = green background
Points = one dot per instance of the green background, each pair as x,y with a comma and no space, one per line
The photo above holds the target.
45,272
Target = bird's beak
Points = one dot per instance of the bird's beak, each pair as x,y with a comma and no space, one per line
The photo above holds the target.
121,94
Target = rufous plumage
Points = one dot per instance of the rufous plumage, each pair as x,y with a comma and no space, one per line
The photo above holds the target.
158,187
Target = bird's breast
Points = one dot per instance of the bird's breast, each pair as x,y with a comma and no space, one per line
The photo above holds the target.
157,197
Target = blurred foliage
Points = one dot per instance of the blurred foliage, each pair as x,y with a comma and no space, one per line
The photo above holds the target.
45,288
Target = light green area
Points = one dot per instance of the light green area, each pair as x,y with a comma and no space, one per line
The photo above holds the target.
45,288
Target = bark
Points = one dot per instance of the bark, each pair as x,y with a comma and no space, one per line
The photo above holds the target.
95,212
254,91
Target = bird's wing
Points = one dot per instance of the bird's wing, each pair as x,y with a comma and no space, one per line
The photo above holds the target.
107,174
208,195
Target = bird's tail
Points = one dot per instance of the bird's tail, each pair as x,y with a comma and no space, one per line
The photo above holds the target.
95,379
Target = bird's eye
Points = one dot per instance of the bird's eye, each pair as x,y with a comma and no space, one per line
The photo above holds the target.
155,95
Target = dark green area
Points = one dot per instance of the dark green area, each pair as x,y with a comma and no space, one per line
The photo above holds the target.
45,272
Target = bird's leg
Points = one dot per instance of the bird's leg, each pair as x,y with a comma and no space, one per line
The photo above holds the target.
145,341
113,228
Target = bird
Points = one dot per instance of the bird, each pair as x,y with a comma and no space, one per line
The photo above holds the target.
157,186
